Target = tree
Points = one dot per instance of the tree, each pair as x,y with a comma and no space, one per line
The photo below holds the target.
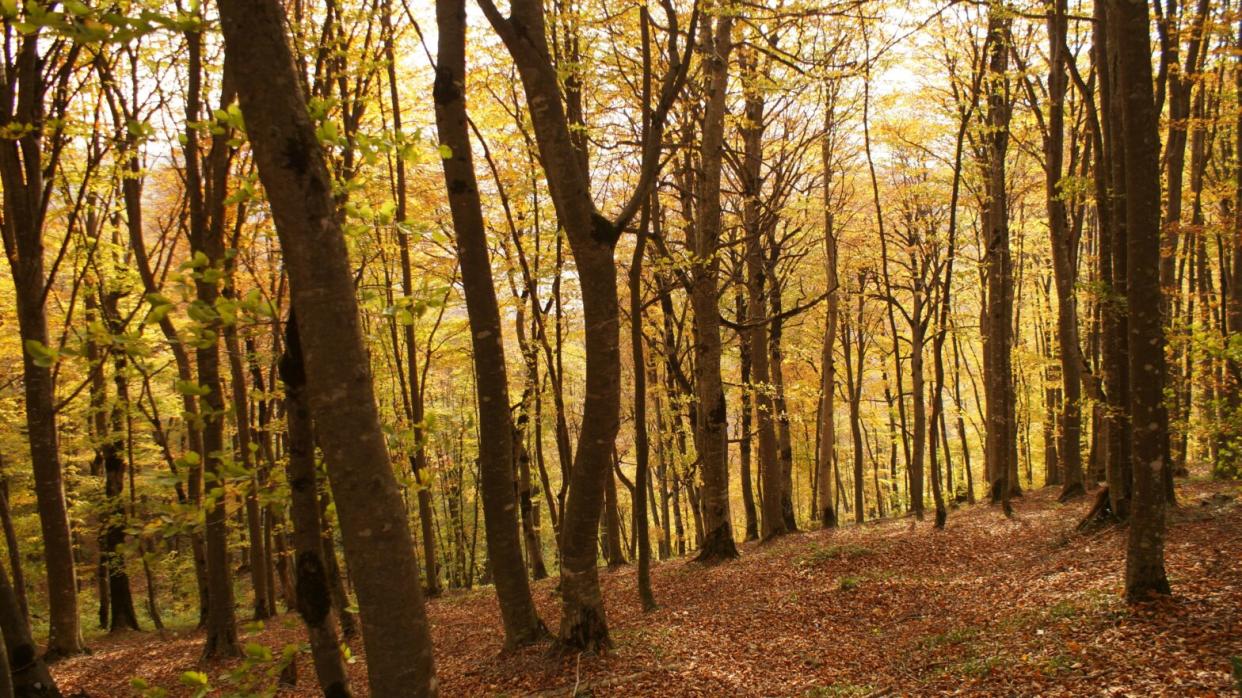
521,621
711,414
372,516
34,93
592,239
1128,24
998,329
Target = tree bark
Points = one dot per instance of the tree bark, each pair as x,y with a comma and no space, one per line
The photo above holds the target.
711,416
998,340
1141,149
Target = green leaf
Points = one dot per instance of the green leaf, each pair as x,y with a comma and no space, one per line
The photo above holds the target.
446,152
193,679
192,388
258,652
41,354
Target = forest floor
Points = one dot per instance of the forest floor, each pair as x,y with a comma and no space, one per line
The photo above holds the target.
989,606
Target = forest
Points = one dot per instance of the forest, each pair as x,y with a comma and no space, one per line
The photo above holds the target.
681,347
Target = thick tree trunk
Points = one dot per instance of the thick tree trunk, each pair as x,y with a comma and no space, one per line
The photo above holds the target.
292,169
998,340
1141,148
711,416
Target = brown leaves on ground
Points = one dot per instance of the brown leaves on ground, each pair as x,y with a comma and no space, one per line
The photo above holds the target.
988,606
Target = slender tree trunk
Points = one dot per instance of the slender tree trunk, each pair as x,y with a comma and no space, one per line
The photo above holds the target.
259,580
759,327
1064,264
206,233
504,547
825,492
1113,269
1232,387
22,171
314,596
642,447
745,440
120,597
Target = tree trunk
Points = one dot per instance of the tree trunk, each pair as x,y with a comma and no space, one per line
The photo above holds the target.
206,233
642,447
259,580
30,676
711,416
1112,255
745,440
314,596
504,547
825,492
998,340
1064,265
22,171
292,169
1141,149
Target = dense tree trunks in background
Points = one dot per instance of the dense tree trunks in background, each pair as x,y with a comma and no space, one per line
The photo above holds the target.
592,239
1180,76
711,415
1141,149
517,609
314,596
368,500
414,408
758,327
25,160
205,194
